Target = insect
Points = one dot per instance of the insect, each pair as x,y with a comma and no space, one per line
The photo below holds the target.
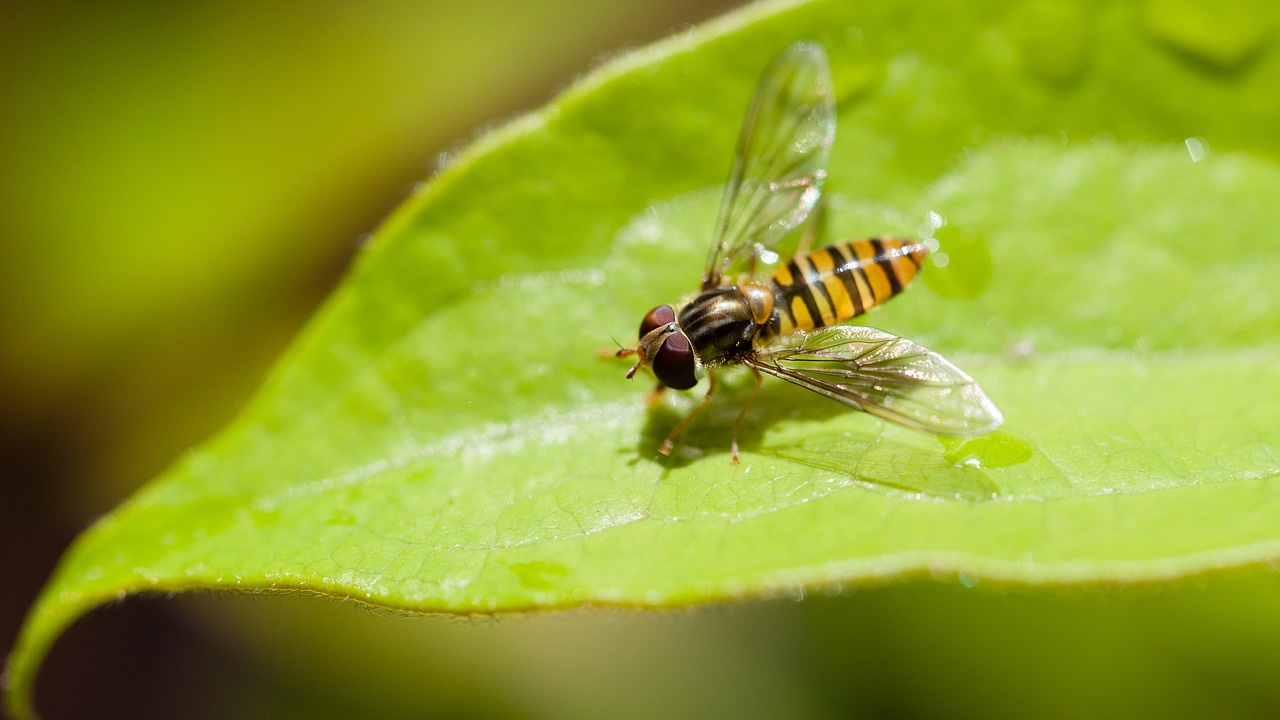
787,324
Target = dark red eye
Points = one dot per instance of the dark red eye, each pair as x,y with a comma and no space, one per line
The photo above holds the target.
657,317
675,362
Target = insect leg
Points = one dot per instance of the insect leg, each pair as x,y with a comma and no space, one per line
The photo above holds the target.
733,455
669,443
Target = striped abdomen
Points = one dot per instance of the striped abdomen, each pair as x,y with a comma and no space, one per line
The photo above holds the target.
841,282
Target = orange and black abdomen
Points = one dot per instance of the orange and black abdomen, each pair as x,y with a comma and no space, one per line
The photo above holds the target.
842,281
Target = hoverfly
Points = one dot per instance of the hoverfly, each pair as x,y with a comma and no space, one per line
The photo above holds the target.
786,325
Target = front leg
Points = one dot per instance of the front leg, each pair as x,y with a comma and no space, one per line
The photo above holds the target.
669,443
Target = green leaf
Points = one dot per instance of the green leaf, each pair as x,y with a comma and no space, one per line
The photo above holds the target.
445,438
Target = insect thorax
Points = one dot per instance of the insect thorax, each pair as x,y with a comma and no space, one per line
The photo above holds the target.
722,322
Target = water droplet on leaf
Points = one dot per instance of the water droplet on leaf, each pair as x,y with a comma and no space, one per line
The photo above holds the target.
539,575
994,450
1198,147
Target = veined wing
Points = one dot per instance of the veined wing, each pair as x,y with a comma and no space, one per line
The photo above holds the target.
884,375
780,162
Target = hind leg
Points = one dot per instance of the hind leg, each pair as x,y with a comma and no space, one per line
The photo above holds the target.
733,455
669,443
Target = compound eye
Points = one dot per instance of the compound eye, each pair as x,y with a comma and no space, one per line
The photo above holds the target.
675,362
657,317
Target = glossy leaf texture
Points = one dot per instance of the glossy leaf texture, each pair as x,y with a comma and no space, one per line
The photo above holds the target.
445,437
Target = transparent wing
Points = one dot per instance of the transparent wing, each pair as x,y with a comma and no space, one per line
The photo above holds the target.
781,159
884,375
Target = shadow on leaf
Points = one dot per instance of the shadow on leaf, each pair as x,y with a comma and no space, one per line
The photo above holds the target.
867,458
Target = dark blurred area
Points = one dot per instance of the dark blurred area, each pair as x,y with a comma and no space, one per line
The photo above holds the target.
181,184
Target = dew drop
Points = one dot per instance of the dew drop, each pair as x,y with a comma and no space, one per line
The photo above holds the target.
1198,147
263,512
341,517
993,450
932,221
967,580
1021,350
941,259
539,575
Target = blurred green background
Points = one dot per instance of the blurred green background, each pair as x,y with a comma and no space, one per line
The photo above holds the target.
181,184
